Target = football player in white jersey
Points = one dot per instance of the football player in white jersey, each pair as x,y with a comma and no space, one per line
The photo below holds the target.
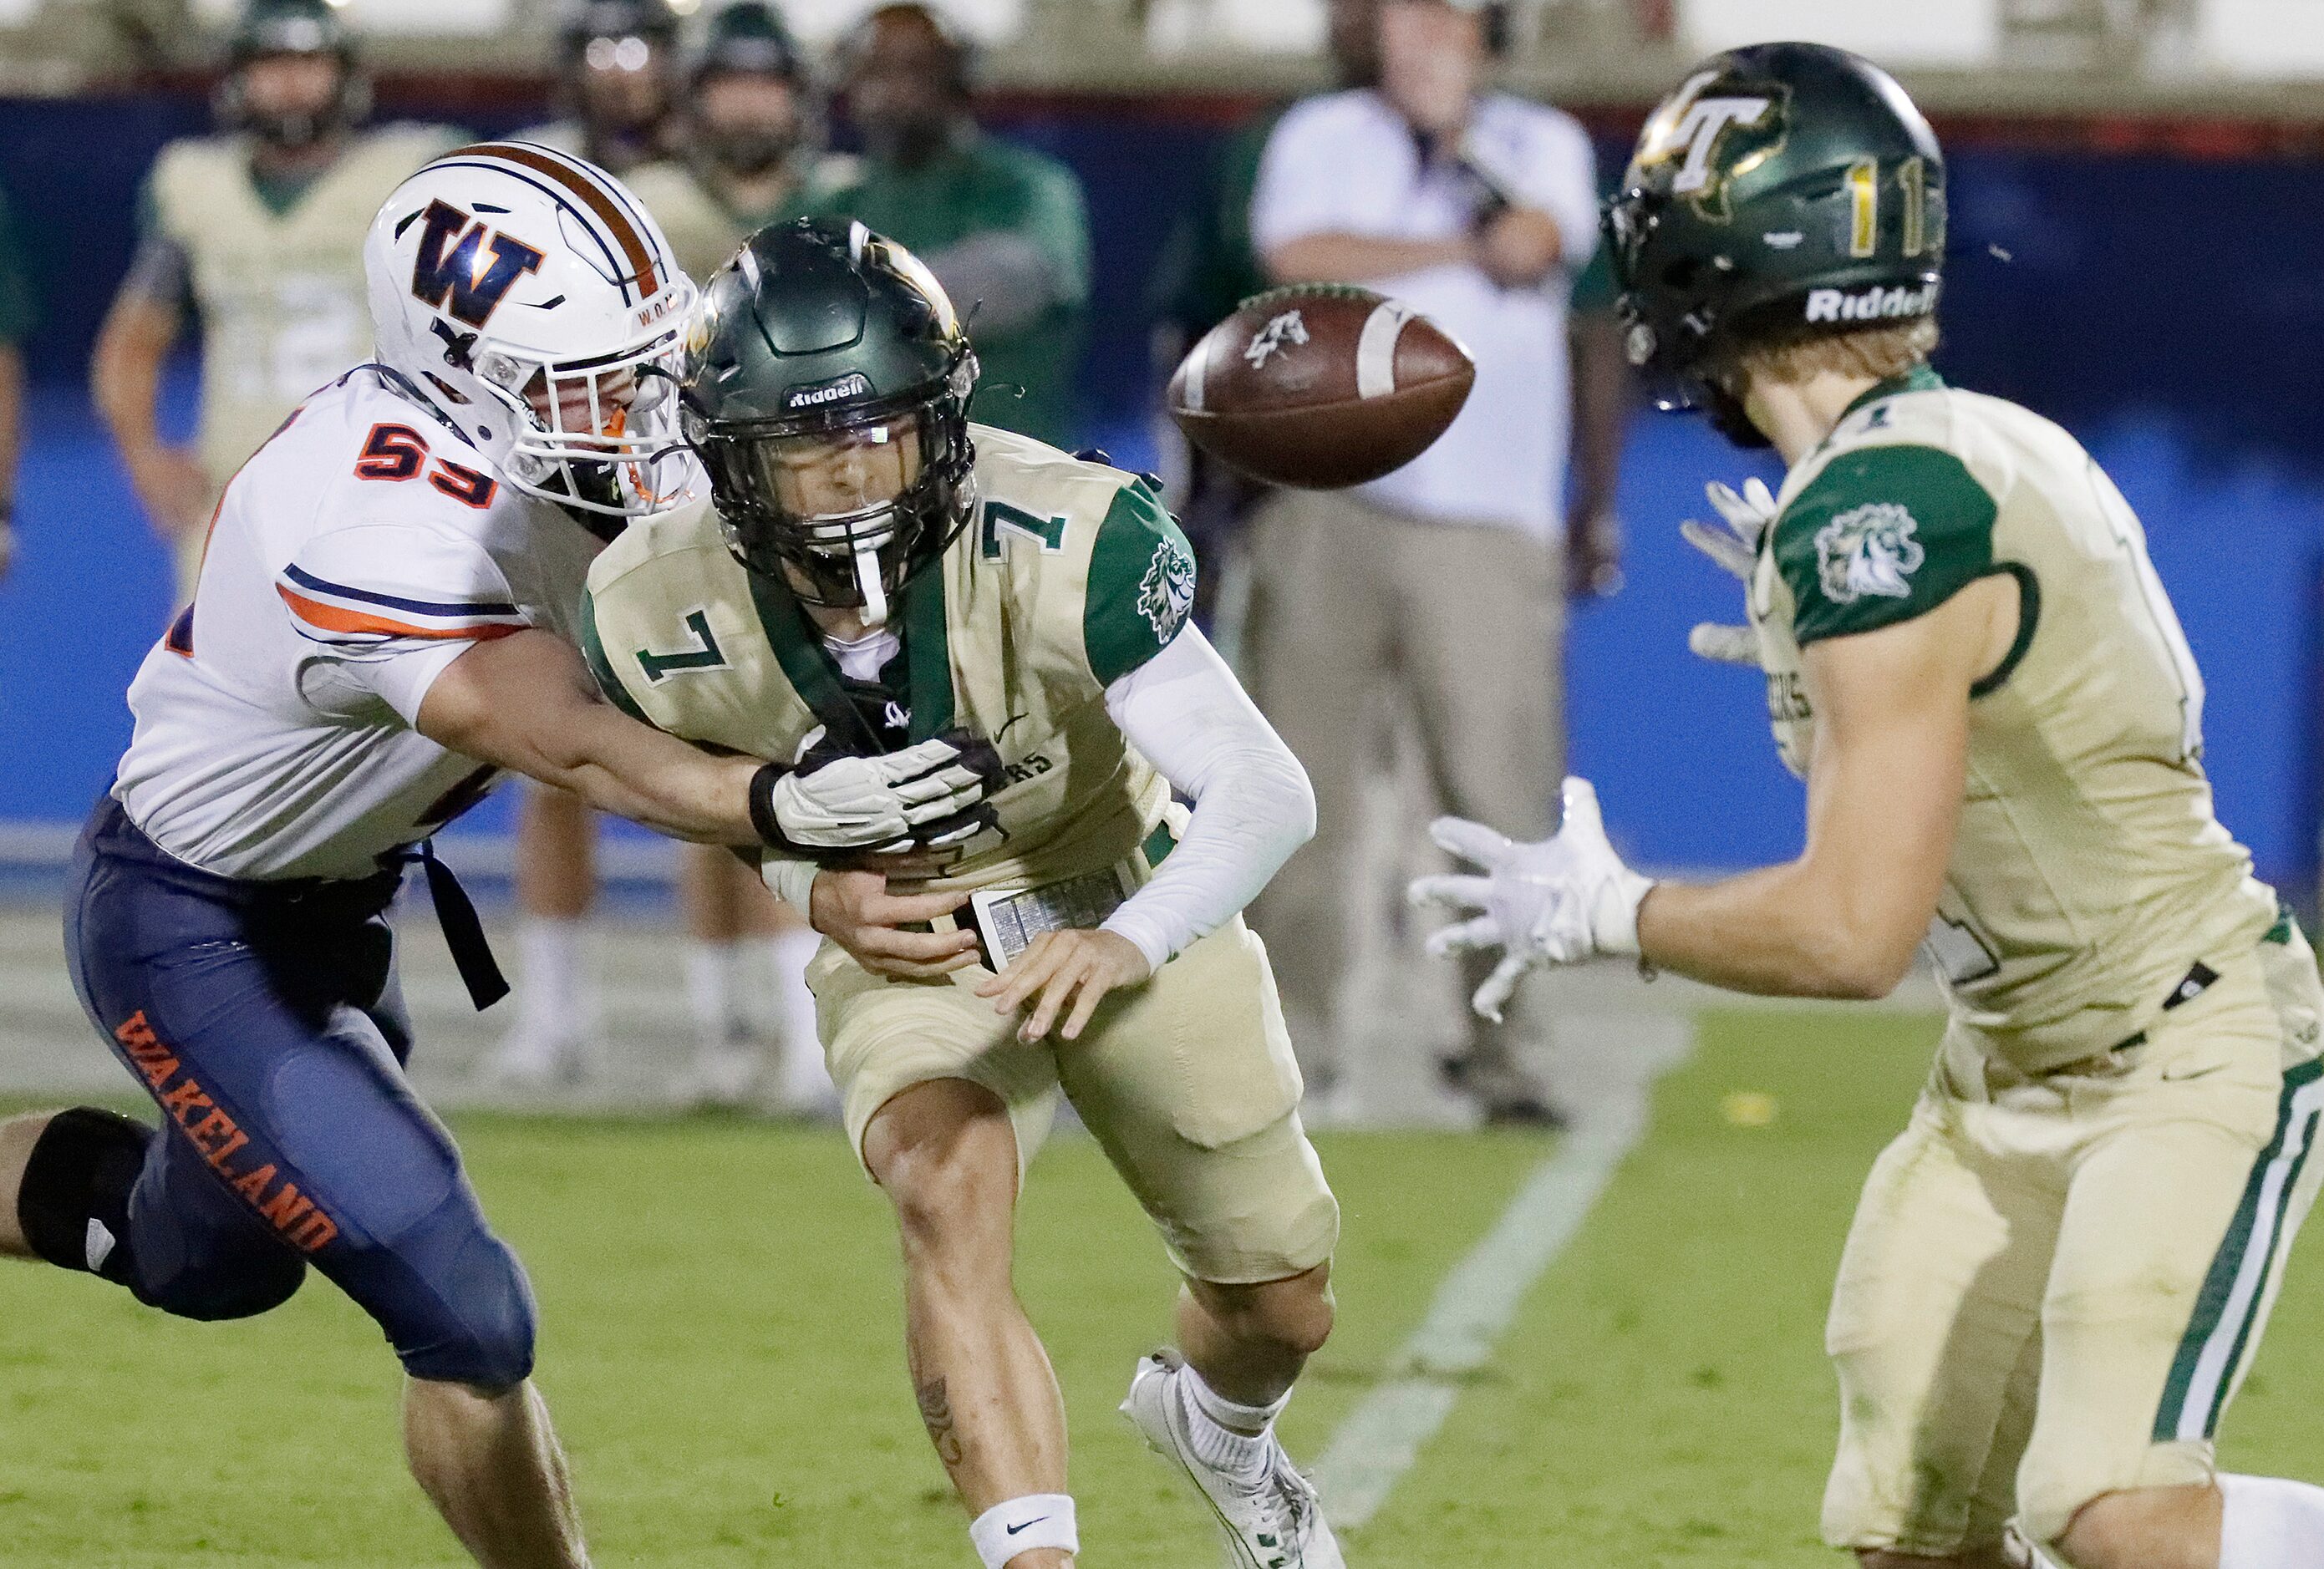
381,626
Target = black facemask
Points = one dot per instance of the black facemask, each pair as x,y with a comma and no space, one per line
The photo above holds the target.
749,152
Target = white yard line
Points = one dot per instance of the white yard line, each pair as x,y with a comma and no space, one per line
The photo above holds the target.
1383,1436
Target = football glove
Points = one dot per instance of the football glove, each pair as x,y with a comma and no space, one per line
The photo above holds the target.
840,805
1736,550
1563,900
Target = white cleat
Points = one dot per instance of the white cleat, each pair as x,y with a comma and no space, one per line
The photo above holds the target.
1275,1522
532,1062
725,1078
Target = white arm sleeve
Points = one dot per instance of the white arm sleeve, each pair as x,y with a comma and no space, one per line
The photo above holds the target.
1186,713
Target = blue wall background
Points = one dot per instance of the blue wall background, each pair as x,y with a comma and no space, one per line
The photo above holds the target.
2171,313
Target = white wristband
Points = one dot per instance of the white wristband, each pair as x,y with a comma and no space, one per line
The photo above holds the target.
1040,1519
791,881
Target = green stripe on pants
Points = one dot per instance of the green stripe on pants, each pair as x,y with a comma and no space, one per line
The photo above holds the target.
2218,1335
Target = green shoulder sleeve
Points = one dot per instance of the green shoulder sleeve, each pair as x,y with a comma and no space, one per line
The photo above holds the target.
1061,222
593,650
1142,584
1883,534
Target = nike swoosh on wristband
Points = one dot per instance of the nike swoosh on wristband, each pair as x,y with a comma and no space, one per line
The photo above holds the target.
1026,1526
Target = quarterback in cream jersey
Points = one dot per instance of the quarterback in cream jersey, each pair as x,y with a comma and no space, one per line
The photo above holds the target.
874,575
2058,1273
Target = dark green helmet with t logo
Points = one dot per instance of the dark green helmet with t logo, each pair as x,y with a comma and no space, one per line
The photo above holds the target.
1784,189
827,386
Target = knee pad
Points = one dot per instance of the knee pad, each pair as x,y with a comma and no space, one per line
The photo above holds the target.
73,1205
486,1338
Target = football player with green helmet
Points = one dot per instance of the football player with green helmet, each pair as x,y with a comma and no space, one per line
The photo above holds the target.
876,574
2060,1270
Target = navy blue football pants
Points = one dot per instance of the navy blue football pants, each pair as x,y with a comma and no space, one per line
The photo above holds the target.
266,1022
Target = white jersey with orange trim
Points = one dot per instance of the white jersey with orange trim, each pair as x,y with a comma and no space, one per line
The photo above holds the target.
364,547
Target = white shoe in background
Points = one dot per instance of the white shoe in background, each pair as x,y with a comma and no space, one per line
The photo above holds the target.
724,1076
533,1059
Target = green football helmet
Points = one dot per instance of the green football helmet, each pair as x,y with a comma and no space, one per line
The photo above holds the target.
1784,189
748,36
271,28
825,385
581,23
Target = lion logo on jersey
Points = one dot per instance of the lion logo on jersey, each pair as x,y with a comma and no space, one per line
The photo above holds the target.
1165,594
1868,550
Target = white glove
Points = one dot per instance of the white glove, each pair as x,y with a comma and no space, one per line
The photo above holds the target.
1736,550
897,802
1563,900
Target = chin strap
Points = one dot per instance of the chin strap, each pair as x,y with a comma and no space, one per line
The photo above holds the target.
874,591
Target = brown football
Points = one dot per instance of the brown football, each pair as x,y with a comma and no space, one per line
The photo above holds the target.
1320,385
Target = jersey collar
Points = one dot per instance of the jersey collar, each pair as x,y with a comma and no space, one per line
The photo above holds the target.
1921,378
814,677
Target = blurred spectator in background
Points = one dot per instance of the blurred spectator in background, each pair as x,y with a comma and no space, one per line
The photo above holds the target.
1206,269
616,82
1003,227
1442,585
17,313
1604,393
745,139
258,231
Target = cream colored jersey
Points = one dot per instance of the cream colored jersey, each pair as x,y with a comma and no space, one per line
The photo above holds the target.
2089,873
281,294
1070,575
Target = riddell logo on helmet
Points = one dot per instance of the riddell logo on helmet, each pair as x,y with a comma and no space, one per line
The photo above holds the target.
854,384
1872,304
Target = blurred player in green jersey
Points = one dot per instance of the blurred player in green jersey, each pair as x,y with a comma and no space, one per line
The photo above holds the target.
1003,227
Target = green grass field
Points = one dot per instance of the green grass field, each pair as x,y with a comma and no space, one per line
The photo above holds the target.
721,1346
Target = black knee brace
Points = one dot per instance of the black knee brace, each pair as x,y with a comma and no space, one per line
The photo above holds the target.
78,1179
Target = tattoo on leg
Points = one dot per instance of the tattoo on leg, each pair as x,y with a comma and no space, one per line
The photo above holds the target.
935,1414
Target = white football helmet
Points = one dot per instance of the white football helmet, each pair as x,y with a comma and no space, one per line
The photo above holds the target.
529,295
